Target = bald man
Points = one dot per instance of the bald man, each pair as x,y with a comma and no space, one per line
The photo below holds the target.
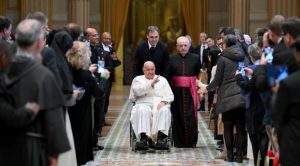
40,142
182,72
151,116
98,54
107,45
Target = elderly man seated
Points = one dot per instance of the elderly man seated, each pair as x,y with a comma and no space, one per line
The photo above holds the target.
151,116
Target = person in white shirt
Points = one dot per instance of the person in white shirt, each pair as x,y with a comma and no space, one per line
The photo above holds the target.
151,116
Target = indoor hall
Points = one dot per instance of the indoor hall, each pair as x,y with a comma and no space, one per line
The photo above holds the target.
127,21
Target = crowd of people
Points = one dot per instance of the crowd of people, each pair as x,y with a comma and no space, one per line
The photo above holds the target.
55,88
253,79
49,80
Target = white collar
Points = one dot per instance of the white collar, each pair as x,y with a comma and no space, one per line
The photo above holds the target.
105,48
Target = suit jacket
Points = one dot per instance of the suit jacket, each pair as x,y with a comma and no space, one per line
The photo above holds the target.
197,50
98,52
285,56
160,58
115,63
282,56
286,119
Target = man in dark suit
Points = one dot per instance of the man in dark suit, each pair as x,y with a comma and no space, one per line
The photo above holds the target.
151,50
106,46
99,103
285,113
282,55
199,50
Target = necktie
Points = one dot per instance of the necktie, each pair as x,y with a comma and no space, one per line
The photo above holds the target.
152,49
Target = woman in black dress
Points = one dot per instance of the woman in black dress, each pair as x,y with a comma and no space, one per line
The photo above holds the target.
81,112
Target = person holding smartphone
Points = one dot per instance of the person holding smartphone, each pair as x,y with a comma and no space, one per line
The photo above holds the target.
285,113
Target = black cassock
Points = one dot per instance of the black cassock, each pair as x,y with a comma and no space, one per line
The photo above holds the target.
185,130
46,134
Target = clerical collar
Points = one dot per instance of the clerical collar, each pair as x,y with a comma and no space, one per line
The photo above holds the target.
21,53
105,48
149,45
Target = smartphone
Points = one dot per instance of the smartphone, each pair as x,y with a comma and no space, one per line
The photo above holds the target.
282,73
100,66
268,51
276,72
241,68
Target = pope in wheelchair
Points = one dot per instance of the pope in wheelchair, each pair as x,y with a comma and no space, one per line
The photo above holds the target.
150,115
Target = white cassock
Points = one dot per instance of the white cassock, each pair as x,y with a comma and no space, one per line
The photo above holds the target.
145,118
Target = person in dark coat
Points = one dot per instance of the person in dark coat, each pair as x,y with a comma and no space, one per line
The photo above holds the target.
112,57
61,43
12,120
230,102
81,112
9,115
99,103
285,116
182,72
282,55
45,138
199,50
151,50
255,109
99,54
49,60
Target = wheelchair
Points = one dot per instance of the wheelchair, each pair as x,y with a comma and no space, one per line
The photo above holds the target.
133,139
